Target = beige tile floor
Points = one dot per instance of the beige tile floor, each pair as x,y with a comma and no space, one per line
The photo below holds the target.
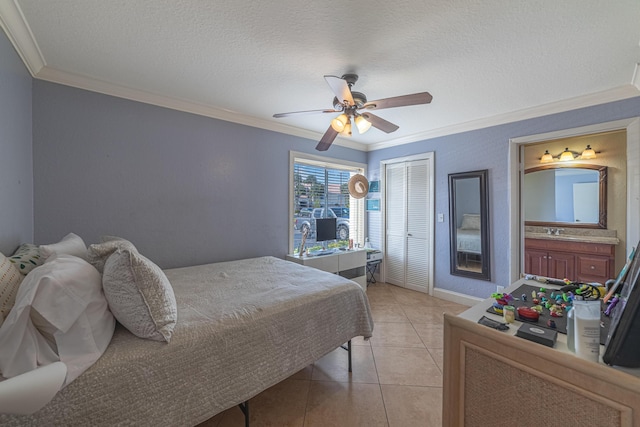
396,378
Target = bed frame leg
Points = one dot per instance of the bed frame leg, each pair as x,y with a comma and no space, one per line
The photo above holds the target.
348,348
244,407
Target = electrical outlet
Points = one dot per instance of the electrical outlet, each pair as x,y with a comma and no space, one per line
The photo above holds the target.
500,289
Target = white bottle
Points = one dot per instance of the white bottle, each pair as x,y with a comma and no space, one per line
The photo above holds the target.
587,329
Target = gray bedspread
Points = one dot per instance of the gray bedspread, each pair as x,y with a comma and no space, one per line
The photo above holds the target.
243,326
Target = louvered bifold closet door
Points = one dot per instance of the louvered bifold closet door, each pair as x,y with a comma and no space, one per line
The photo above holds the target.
418,220
396,225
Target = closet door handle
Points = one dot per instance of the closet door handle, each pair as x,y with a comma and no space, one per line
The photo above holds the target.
409,234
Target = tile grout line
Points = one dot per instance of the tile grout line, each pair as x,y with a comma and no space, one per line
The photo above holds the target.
384,406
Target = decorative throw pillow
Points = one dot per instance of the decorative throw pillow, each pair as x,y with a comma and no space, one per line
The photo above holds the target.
470,222
140,295
98,253
10,279
60,302
26,258
71,244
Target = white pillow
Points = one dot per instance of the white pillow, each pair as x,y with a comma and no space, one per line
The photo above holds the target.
470,222
10,279
98,253
66,296
71,244
140,295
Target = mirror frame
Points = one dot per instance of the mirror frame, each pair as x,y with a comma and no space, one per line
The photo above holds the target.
602,195
485,273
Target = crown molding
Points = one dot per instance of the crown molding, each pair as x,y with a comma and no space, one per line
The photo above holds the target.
15,26
615,94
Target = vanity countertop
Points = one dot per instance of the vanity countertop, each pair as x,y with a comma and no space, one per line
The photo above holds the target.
609,240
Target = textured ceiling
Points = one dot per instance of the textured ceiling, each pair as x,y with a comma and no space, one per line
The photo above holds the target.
484,62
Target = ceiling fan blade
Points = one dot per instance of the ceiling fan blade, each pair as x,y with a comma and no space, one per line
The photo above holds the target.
341,89
327,139
297,113
399,101
380,123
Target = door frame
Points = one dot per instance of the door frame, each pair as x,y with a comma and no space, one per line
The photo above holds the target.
516,173
429,157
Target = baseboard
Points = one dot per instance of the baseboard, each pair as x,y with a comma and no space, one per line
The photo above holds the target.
456,297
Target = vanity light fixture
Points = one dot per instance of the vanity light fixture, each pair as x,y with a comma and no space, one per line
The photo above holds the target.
588,153
566,155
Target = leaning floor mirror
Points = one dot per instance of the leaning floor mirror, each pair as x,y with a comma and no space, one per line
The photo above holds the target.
469,224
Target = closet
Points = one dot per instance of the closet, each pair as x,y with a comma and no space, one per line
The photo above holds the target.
409,224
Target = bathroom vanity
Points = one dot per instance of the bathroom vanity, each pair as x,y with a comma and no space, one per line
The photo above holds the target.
574,257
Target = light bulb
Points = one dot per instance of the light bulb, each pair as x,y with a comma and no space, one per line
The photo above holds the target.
362,124
338,124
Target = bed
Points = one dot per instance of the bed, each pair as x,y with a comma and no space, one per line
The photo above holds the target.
242,327
468,241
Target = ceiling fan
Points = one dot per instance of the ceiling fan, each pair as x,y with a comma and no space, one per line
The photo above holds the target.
349,103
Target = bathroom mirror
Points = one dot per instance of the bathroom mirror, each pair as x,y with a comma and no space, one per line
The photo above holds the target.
469,224
565,195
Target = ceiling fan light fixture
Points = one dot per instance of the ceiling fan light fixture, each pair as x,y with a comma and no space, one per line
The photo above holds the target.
339,123
362,124
347,129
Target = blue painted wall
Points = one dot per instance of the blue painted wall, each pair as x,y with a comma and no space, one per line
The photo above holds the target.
487,149
185,189
16,170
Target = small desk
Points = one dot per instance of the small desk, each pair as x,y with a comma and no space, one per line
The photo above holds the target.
348,264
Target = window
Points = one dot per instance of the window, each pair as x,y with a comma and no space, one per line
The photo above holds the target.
319,189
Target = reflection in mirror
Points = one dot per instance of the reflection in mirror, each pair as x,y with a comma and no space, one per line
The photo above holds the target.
469,224
568,195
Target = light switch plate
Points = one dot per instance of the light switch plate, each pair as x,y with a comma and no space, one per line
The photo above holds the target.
440,217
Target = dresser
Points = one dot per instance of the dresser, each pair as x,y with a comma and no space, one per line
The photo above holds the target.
496,378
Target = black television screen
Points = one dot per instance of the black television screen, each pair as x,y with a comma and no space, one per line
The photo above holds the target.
621,347
325,229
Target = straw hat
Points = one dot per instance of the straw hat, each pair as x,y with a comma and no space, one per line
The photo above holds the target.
358,186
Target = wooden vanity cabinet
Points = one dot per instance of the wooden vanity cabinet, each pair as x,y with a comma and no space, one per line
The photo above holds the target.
576,261
549,263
